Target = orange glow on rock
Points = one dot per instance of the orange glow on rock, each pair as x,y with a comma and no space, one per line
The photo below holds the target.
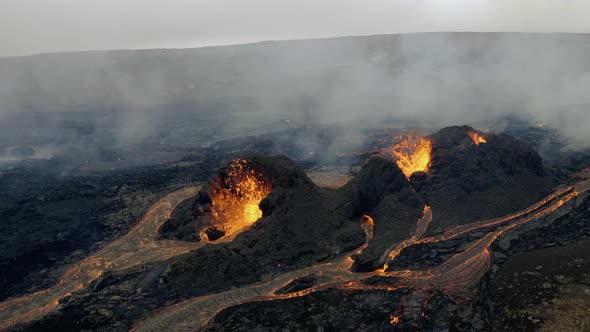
477,138
412,153
368,226
394,320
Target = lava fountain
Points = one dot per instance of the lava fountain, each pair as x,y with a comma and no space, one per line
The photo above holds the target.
412,153
236,195
477,138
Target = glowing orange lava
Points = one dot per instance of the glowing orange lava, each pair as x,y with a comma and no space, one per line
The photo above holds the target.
368,225
236,196
477,138
412,153
394,320
458,275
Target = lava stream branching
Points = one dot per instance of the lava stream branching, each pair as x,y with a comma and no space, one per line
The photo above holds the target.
421,227
547,205
457,276
235,199
137,247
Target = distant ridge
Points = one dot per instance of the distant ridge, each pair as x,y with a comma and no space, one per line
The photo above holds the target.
294,40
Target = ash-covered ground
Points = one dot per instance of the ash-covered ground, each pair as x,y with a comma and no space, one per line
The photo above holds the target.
55,212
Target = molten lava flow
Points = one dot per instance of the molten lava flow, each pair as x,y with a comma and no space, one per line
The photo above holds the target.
458,275
394,320
477,138
421,228
236,196
412,153
137,247
368,225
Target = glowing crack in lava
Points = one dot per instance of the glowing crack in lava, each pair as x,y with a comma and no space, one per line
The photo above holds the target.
137,247
477,138
235,196
412,153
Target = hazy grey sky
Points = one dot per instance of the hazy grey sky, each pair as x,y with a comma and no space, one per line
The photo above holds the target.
36,26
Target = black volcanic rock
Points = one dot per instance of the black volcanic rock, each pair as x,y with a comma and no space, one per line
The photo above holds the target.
468,182
182,223
328,310
382,191
351,310
303,224
377,179
283,174
282,171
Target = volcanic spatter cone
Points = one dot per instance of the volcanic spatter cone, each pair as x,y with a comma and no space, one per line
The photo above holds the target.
300,222
475,176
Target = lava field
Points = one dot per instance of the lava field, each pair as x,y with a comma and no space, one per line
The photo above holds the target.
413,230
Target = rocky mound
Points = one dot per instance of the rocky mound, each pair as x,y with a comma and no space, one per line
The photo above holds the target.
382,191
183,222
468,181
300,219
293,196
303,224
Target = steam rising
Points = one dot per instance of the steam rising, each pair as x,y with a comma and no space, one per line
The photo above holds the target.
194,96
